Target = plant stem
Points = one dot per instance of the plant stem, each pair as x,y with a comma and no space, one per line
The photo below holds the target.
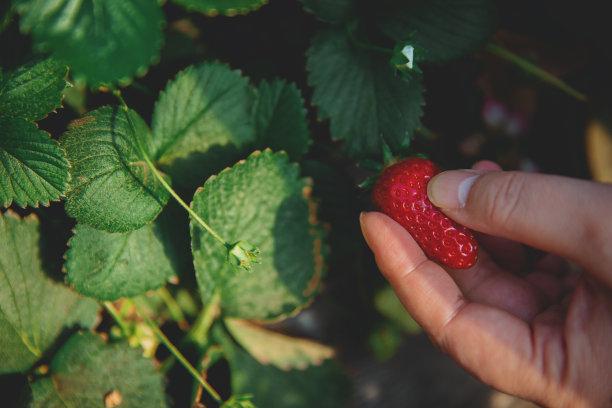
199,331
163,182
533,69
117,317
177,354
173,307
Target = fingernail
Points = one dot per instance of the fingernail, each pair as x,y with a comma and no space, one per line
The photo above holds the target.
363,229
450,189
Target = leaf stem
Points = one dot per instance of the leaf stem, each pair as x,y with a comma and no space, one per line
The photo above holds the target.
177,354
533,69
199,330
173,307
117,317
163,182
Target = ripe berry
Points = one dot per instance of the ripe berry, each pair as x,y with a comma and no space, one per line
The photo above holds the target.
401,193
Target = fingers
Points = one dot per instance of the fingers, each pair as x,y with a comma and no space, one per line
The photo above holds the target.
565,216
425,289
404,264
486,340
488,284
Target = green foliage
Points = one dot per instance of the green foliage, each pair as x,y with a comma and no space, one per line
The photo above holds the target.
87,372
111,187
33,90
361,95
34,310
445,30
90,34
202,121
104,265
225,7
33,168
250,247
263,201
280,119
320,385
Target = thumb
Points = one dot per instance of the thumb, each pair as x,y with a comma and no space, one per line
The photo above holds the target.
565,216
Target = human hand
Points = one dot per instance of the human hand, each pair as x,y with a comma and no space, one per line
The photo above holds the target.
539,330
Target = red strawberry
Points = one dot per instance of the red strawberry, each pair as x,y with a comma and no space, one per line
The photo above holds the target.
401,193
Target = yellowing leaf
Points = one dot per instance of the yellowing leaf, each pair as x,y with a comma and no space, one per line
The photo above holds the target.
282,351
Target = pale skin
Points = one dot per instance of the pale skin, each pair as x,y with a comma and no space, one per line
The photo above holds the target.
541,330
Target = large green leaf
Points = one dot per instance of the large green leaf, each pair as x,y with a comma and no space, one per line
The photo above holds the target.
86,372
280,119
357,89
261,200
111,188
324,385
224,7
33,90
201,122
332,11
33,309
109,266
33,169
103,41
446,29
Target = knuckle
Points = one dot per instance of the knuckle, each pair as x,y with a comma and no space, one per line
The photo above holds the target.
502,201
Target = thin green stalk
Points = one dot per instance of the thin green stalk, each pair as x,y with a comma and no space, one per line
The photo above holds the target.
117,317
163,182
198,333
177,354
199,330
173,307
533,69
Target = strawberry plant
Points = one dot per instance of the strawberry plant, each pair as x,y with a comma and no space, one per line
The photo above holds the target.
176,198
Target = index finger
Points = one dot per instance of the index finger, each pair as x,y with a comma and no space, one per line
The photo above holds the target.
484,339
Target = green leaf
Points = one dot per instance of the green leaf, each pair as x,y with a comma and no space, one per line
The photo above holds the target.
103,42
357,89
444,29
33,90
33,169
111,188
34,310
201,122
280,350
86,372
332,11
261,200
325,385
109,266
280,119
224,7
